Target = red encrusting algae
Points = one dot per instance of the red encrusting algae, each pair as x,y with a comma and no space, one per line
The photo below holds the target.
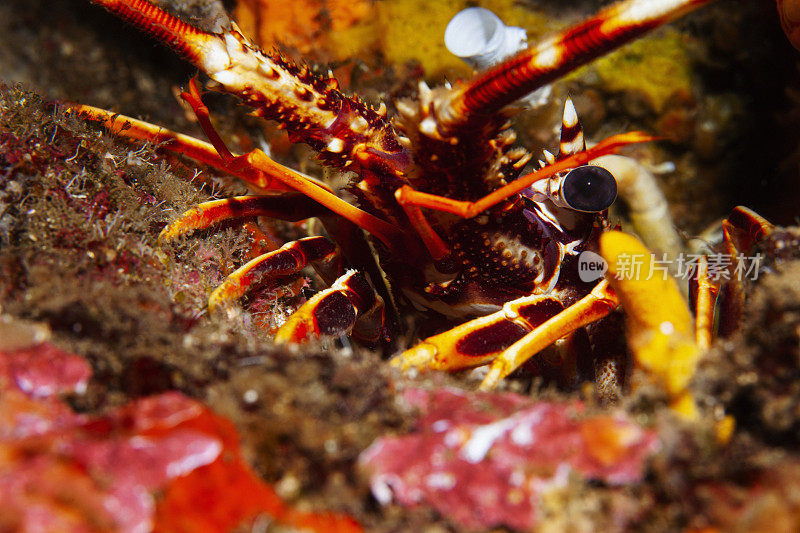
165,463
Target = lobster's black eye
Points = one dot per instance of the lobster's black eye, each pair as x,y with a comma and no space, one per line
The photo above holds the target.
589,188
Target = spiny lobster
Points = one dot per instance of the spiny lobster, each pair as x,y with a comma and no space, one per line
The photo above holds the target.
456,225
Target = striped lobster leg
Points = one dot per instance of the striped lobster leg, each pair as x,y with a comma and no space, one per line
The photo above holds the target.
718,301
551,59
350,305
509,337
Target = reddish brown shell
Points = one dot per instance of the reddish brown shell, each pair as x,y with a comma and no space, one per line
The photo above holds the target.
789,11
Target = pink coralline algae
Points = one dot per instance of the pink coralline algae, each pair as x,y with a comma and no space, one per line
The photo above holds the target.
485,460
44,370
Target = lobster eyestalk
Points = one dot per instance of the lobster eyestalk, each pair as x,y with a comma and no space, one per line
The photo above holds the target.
535,67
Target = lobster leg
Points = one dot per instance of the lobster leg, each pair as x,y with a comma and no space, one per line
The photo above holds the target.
357,251
285,261
704,295
289,206
480,340
350,304
179,143
436,247
508,337
319,315
594,306
259,161
742,230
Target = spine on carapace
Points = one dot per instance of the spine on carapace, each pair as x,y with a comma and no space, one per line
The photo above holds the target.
347,133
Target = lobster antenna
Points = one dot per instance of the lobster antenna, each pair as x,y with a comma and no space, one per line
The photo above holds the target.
530,69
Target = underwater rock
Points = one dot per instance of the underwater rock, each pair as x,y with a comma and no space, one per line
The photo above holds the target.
485,460
305,25
651,72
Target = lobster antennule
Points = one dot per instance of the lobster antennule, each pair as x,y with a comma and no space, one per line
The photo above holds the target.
532,68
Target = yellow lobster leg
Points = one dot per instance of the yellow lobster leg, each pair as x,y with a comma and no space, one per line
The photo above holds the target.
508,337
594,306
